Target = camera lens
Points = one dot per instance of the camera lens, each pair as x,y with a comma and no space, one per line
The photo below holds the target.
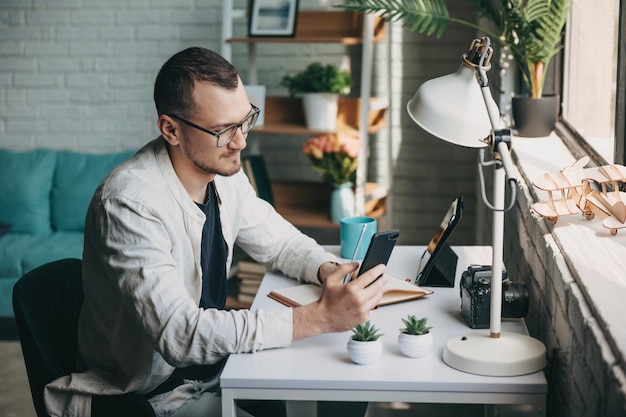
514,299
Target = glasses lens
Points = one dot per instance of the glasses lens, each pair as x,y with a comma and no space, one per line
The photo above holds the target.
226,136
246,125
249,123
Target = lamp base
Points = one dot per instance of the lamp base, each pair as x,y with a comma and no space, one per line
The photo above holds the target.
509,355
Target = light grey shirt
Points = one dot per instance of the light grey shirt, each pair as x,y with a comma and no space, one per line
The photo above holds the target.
143,280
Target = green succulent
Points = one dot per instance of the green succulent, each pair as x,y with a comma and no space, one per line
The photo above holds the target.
415,326
366,332
318,78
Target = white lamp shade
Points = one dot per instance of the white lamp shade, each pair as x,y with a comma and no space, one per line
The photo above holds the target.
452,108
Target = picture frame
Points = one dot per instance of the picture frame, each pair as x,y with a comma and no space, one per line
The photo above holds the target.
273,18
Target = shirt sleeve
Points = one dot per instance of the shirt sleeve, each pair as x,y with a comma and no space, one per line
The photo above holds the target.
270,239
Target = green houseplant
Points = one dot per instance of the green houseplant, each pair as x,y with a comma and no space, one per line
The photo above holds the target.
318,78
320,87
414,326
366,332
532,29
415,339
365,346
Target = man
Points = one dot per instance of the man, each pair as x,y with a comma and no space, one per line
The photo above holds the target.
159,235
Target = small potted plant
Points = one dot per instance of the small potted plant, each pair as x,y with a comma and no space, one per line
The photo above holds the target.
365,346
320,87
415,339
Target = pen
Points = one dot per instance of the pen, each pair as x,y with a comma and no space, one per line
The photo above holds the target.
356,250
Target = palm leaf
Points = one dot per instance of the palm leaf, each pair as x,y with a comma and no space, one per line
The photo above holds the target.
532,29
536,9
428,17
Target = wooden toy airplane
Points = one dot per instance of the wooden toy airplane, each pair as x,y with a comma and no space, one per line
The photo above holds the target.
585,190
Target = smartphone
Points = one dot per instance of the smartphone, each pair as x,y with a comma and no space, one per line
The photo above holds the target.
379,250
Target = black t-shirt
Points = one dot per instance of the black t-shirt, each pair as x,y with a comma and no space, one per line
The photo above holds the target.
213,255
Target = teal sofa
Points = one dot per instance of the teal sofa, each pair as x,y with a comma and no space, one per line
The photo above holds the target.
44,195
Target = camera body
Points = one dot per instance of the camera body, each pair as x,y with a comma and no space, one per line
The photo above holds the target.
476,297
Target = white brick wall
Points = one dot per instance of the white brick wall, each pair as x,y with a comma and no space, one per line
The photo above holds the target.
79,74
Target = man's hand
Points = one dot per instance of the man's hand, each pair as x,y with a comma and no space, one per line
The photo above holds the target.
340,307
325,270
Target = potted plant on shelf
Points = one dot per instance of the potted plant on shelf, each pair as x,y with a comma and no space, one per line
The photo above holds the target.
531,29
365,346
335,155
415,339
320,87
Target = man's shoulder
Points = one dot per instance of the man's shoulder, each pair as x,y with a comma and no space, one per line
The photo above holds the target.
138,175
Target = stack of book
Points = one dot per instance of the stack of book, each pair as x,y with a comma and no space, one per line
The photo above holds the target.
249,276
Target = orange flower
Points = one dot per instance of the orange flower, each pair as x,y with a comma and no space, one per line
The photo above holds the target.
335,156
350,145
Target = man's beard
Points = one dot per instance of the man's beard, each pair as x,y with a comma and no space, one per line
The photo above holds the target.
209,169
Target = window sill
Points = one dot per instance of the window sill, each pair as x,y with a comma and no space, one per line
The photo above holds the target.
592,256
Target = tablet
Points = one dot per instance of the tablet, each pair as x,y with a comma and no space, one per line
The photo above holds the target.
440,267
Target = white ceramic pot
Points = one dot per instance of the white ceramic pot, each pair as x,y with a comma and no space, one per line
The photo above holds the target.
320,111
415,346
365,353
342,202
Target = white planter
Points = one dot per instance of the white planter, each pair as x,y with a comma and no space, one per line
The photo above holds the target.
415,346
320,111
365,353
342,202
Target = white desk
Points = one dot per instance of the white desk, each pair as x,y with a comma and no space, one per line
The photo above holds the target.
318,368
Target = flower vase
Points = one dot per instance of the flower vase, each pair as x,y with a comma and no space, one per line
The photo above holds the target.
342,202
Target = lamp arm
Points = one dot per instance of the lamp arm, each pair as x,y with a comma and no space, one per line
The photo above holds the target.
499,140
512,183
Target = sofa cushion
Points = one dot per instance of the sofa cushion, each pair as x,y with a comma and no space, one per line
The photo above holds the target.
76,178
25,184
21,253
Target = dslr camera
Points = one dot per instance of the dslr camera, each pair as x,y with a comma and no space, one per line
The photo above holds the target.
476,297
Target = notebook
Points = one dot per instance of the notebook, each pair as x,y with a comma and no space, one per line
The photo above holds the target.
396,290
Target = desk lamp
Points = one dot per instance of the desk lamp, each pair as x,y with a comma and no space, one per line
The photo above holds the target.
460,109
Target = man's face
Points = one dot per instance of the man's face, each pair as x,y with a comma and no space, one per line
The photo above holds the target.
216,109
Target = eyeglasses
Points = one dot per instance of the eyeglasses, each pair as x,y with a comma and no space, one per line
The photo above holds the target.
224,136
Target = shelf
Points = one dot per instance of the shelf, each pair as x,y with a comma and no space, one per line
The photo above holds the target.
284,115
324,26
307,204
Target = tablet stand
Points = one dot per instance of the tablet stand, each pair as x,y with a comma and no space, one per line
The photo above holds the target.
442,270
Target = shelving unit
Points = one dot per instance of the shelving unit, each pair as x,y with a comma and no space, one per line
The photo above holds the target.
283,115
324,26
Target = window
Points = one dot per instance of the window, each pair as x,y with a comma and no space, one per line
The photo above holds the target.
590,73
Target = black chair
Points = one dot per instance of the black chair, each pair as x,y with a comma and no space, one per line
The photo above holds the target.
47,302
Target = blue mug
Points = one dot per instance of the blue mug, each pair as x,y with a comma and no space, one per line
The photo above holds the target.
349,232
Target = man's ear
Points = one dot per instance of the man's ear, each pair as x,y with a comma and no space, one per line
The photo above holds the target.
169,129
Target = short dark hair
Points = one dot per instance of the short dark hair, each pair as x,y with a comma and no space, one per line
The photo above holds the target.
174,83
